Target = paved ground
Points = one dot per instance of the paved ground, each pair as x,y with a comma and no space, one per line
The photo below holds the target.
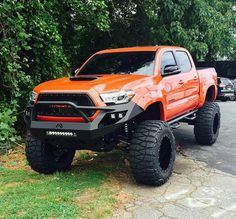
196,189
222,155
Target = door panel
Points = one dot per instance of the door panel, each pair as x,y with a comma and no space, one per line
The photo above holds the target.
181,91
174,92
191,80
173,86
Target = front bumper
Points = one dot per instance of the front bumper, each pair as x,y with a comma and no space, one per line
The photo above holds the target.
87,132
226,94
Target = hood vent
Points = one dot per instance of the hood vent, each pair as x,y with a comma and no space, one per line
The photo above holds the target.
84,78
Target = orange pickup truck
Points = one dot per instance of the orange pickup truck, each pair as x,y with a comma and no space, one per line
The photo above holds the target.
127,97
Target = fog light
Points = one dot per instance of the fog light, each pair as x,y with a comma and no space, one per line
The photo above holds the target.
113,116
120,115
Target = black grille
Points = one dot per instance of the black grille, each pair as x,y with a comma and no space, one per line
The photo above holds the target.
63,110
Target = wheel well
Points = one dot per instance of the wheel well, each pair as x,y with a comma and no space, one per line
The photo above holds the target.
210,94
153,112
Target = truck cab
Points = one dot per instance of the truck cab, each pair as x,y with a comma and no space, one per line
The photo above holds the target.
123,95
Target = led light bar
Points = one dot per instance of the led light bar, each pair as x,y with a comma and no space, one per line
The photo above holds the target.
64,134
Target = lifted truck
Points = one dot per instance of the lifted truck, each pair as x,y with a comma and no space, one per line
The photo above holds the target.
133,95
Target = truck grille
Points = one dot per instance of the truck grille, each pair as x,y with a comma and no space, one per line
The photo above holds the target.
63,110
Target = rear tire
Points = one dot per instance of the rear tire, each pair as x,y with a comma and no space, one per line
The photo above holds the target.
207,124
152,153
45,158
224,99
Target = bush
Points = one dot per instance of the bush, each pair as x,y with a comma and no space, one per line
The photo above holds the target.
30,51
8,134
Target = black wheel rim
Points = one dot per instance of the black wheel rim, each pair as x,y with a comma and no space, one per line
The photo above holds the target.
58,153
216,124
165,153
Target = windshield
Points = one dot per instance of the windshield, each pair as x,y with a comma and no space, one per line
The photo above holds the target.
141,63
226,81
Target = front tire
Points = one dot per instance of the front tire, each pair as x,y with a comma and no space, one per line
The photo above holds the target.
46,158
152,153
207,124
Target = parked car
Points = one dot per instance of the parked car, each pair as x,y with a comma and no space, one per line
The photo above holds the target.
131,95
225,89
234,83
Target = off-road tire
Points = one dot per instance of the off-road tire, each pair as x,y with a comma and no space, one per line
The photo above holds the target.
152,153
207,124
42,159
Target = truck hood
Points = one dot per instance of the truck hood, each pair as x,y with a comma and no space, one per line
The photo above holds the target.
100,83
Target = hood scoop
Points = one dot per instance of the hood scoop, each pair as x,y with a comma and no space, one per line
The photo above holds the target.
84,78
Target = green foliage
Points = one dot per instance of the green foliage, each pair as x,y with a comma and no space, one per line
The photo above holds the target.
40,39
30,51
8,135
79,23
205,27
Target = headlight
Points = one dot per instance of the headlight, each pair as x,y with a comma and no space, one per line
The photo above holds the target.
117,97
32,96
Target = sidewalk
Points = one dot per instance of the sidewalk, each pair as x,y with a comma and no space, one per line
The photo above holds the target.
193,191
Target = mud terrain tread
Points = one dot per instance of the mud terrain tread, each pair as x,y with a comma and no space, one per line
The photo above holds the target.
40,161
203,128
144,153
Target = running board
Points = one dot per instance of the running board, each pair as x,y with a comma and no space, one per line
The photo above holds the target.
175,125
185,117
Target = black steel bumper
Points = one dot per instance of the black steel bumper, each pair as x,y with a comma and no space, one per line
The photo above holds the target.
85,132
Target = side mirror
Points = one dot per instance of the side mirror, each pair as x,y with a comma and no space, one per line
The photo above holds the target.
171,69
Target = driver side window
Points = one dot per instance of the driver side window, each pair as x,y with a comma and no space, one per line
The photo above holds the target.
167,59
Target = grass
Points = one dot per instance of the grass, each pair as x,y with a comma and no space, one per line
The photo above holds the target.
87,191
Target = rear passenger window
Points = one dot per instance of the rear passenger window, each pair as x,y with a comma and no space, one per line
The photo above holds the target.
167,59
184,61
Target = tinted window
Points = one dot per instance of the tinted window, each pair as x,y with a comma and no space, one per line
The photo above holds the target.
184,61
167,59
141,63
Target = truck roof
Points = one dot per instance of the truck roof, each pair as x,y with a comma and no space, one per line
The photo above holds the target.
137,49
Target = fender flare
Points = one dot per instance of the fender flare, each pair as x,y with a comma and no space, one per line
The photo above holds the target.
149,102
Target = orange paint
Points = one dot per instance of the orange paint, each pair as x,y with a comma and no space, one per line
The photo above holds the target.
177,94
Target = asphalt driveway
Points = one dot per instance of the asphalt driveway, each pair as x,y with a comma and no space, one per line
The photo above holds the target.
222,155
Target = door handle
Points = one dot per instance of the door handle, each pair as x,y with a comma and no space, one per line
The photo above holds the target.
195,78
181,82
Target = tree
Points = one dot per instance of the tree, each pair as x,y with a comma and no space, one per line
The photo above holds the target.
205,27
